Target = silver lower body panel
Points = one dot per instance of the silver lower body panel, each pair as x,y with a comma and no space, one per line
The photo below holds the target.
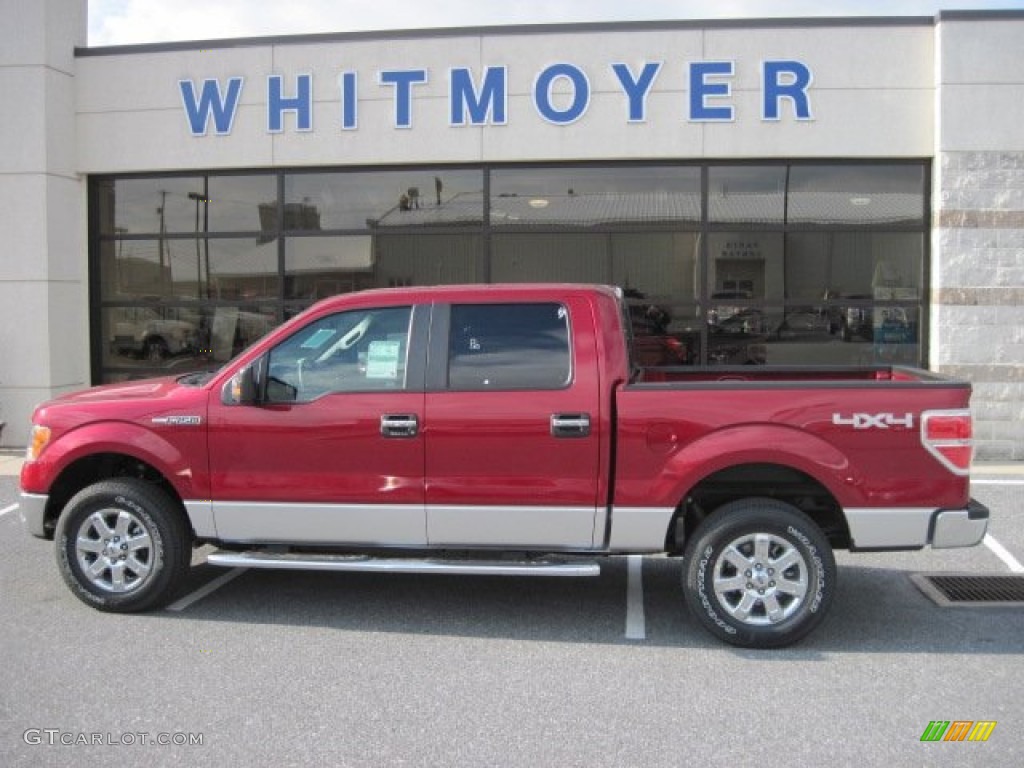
916,527
32,510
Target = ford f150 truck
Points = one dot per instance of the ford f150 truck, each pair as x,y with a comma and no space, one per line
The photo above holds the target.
501,430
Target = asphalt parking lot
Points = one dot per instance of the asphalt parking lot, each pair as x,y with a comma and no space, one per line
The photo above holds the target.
296,669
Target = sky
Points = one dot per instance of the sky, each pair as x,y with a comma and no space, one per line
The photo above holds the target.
129,22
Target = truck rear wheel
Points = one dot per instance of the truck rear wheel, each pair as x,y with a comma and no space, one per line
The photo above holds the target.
122,546
759,573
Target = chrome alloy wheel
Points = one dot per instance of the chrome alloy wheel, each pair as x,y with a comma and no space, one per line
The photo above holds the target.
760,579
114,550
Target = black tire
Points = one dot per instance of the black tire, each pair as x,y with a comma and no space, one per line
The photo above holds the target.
123,546
737,546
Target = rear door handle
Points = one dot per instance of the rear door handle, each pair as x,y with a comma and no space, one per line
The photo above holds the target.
570,425
399,425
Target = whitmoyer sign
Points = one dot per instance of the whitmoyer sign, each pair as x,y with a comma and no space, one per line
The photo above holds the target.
561,94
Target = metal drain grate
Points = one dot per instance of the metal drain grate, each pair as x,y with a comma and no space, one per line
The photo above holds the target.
971,591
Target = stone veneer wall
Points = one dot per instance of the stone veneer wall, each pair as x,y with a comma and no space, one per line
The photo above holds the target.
978,291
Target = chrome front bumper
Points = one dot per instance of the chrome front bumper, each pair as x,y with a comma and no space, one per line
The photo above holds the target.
960,527
32,509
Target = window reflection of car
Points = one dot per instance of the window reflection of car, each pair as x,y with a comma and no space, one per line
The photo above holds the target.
895,327
738,339
150,336
653,345
850,322
804,324
720,313
751,322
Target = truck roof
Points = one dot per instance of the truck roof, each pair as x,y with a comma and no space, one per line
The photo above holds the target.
465,292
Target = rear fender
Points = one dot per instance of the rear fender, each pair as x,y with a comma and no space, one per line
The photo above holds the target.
758,444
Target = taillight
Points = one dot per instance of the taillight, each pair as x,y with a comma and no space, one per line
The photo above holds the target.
948,437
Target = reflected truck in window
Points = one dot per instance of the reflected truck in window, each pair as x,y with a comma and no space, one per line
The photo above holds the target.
146,333
502,430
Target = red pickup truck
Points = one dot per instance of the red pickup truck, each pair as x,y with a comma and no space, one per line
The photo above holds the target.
501,429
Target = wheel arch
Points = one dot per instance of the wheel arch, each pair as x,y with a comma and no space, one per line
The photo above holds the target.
96,467
758,479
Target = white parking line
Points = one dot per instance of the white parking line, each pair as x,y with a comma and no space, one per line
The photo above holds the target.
205,590
5,510
1003,554
997,481
635,625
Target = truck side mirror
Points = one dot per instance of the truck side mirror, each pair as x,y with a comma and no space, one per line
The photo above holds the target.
241,388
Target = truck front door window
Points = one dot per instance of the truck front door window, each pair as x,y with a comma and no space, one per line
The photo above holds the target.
357,351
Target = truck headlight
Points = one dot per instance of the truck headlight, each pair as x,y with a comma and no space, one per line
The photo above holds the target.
37,441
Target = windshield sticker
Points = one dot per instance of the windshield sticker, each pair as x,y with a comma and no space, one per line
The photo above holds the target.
382,359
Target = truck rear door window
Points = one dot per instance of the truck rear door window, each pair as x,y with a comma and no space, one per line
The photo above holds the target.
509,346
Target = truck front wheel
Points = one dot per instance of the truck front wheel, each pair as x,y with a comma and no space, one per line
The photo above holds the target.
759,574
122,546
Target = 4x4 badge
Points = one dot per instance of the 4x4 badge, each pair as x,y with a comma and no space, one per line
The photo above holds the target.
873,420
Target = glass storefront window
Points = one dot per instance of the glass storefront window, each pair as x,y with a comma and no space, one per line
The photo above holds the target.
238,204
587,197
318,267
411,198
798,263
854,336
236,269
192,204
858,195
747,194
882,266
142,341
746,265
188,268
149,206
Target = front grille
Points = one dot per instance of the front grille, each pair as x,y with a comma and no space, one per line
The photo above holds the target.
971,591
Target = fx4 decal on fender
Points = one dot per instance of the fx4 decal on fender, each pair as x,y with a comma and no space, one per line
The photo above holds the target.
873,420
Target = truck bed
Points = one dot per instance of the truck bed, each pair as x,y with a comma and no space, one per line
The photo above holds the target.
788,374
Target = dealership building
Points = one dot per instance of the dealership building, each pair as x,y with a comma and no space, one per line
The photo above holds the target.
825,192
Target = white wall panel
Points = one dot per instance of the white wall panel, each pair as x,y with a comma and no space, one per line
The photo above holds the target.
849,124
159,140
845,56
140,82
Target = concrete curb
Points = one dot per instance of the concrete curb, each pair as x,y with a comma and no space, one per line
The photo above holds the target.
10,463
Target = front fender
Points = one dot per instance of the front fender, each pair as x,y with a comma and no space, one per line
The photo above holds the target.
177,460
748,444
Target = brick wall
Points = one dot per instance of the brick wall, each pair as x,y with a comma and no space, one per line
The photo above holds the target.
978,291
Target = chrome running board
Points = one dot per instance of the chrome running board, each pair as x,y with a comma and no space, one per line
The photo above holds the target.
305,562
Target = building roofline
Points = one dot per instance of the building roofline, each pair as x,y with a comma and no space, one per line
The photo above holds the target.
540,29
1000,14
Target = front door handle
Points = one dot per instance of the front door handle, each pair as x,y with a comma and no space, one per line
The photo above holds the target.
399,425
570,425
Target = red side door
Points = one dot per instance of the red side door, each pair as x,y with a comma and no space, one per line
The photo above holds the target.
334,453
512,438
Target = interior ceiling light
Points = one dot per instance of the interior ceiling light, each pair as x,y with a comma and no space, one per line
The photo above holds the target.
538,202
860,201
